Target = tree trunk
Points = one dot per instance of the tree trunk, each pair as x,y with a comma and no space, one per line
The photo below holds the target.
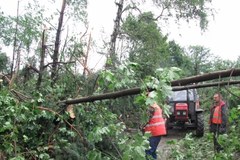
188,80
57,44
206,77
179,88
86,71
15,41
112,50
18,59
41,68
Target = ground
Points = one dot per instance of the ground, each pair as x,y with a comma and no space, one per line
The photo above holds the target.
164,148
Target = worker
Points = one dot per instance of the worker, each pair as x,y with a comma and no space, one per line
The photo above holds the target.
218,120
156,127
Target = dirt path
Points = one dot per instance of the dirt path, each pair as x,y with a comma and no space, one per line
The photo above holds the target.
164,148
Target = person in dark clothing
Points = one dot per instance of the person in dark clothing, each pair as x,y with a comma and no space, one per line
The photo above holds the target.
218,120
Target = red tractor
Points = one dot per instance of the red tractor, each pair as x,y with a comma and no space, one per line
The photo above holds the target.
185,111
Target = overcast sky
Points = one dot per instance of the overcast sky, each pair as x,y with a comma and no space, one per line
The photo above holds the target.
222,36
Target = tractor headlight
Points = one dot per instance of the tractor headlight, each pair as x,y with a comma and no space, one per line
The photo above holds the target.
184,113
178,113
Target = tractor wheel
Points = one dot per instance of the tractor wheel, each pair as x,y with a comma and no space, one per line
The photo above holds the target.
168,126
200,125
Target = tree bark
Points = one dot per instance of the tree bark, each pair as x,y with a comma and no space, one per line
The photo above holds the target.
41,68
206,77
178,88
112,50
86,71
15,41
112,95
177,85
137,90
57,44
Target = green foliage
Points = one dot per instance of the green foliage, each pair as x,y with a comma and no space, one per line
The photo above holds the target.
187,10
124,77
28,29
220,64
107,136
77,9
3,62
200,58
6,26
26,130
178,58
19,126
137,144
230,141
193,148
147,46
161,85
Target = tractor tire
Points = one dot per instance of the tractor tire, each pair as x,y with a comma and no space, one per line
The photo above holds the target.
200,125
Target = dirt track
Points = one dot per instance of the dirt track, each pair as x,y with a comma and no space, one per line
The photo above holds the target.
164,148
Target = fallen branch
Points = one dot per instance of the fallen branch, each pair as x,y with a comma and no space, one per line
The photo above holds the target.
55,113
6,78
111,95
137,90
231,92
20,96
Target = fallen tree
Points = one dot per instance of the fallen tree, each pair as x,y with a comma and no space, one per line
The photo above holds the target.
223,83
206,77
176,85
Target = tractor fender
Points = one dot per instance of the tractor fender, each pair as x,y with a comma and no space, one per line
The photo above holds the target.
199,110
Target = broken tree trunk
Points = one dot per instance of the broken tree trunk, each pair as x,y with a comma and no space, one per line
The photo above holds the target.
206,77
42,57
114,35
178,88
57,44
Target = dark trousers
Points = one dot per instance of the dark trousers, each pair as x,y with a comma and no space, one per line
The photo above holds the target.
154,141
217,146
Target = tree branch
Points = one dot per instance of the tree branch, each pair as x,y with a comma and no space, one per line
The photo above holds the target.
58,63
71,126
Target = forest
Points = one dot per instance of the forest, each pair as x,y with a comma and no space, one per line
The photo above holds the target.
56,104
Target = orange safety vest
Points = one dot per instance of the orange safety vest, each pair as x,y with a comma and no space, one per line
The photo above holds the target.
217,114
156,125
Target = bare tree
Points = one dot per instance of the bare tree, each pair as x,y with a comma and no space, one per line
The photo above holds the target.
15,40
42,57
57,44
114,35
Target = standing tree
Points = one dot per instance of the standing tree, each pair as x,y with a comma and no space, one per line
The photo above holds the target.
57,43
146,45
200,58
220,64
178,10
178,58
113,60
